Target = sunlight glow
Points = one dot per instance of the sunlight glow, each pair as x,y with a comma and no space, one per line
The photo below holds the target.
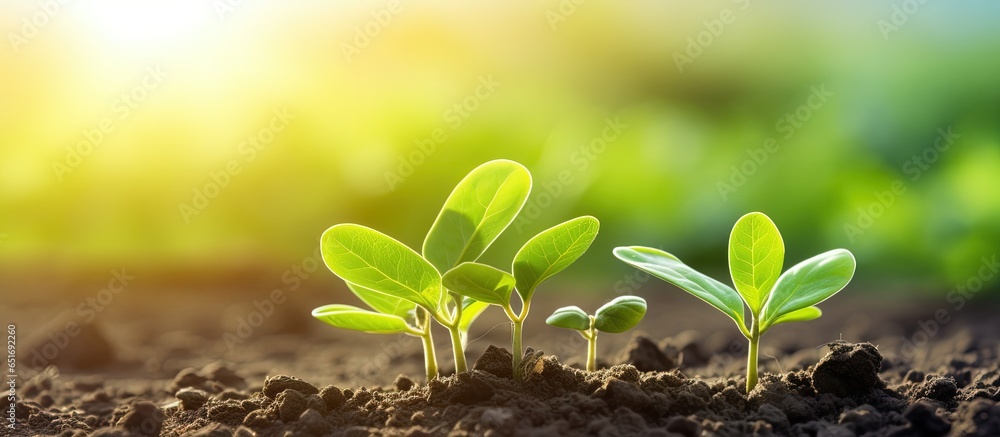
146,24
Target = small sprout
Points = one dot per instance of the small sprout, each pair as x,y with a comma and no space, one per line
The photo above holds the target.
617,316
756,255
403,287
544,255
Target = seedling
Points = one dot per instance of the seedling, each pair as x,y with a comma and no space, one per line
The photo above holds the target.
403,287
756,254
617,316
544,255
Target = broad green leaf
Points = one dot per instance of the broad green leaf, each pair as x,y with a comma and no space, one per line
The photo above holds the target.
620,315
809,283
478,210
756,253
357,319
382,302
480,282
668,268
551,251
471,309
569,318
373,260
803,315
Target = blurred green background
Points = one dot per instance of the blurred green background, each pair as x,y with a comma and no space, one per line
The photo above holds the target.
666,120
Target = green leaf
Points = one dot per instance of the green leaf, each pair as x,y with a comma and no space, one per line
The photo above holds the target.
382,302
803,315
357,319
756,253
809,283
373,260
620,315
471,309
551,251
480,282
668,268
478,210
569,318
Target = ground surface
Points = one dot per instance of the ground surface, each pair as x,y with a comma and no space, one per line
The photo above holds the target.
156,365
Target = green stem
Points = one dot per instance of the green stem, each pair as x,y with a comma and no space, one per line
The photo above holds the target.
592,350
430,359
517,351
456,337
456,348
517,321
752,357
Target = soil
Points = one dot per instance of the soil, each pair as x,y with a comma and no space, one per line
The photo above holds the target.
151,367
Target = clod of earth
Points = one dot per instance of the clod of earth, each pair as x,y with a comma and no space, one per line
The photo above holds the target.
849,370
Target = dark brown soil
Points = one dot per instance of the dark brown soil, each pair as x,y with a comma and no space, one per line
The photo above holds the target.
291,378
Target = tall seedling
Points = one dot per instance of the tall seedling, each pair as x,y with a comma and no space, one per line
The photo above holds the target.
403,287
476,212
756,255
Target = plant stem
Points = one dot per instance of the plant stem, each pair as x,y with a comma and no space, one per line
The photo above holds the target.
591,335
456,337
517,351
456,348
592,350
430,358
752,357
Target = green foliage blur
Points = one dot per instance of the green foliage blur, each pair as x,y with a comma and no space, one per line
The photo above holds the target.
868,126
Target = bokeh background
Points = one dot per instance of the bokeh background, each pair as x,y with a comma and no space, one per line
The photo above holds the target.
389,104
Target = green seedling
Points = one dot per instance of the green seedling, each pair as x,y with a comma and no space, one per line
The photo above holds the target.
756,254
544,255
617,316
404,288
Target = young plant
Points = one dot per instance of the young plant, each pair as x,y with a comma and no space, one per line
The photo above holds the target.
403,287
476,212
617,316
544,255
756,254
